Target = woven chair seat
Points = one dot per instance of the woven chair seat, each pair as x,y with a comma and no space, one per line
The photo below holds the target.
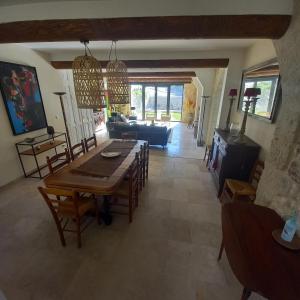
240,187
85,204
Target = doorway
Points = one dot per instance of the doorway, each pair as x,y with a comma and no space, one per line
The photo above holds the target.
155,100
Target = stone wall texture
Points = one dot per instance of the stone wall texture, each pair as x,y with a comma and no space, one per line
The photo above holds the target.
279,187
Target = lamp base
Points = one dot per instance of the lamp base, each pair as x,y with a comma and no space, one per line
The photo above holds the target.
240,139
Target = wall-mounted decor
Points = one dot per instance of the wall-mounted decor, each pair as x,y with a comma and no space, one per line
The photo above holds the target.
265,77
22,97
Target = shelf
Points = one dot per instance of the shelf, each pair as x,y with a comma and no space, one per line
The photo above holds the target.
43,148
41,138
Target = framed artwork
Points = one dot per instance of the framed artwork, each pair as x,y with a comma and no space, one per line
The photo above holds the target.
22,97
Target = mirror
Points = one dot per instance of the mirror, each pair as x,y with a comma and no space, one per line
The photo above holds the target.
266,77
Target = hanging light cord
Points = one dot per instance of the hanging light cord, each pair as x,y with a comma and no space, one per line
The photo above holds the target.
111,49
86,48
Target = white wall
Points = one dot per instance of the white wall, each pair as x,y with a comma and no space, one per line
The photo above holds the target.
215,100
133,8
49,82
260,131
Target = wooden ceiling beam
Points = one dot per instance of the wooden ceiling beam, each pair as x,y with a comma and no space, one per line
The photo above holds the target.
160,74
146,28
161,80
159,63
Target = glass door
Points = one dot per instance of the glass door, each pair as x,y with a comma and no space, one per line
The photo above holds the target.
162,101
150,103
137,100
176,97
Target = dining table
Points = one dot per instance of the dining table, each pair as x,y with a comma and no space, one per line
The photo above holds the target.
95,174
259,263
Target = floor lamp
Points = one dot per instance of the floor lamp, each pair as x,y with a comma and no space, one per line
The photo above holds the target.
201,141
60,94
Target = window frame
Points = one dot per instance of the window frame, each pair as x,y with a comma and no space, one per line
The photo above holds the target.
156,85
277,93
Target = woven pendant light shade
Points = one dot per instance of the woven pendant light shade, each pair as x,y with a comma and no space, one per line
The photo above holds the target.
117,82
88,82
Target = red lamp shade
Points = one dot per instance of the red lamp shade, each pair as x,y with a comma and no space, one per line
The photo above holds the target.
233,92
252,92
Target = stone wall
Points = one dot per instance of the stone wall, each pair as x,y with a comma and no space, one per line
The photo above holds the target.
279,187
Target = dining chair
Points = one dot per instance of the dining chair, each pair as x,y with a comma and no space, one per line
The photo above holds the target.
69,205
77,150
129,135
237,190
58,161
128,190
243,190
90,142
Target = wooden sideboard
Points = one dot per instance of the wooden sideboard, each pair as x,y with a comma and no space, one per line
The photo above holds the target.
231,159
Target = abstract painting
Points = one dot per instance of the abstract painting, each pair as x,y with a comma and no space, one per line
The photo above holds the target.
22,97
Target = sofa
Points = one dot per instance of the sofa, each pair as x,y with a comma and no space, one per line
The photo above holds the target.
155,135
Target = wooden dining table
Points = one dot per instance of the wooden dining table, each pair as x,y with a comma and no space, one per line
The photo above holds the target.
257,260
67,178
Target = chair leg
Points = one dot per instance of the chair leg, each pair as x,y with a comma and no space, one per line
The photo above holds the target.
205,153
246,294
59,229
221,250
130,209
136,197
97,210
78,233
144,174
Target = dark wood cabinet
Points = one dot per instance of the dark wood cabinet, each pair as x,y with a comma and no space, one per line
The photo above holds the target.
231,159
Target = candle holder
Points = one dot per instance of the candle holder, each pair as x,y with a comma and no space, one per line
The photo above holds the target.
232,94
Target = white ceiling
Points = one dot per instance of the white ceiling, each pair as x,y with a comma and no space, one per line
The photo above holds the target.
146,45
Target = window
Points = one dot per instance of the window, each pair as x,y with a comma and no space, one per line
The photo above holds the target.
136,93
155,100
267,85
176,95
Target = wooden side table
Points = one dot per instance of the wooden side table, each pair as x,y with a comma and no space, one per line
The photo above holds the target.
260,264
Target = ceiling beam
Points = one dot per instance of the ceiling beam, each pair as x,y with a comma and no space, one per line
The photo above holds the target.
160,80
161,74
159,63
146,28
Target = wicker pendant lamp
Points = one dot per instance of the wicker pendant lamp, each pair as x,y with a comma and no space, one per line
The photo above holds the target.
88,80
117,79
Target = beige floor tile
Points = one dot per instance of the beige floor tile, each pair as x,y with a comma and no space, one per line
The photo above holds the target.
168,252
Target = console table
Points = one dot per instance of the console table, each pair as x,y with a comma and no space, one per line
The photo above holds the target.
259,263
230,159
40,144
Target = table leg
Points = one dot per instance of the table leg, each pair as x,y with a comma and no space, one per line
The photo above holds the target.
246,294
221,249
106,216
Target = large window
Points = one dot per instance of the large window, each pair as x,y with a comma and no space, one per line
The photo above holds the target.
155,100
176,95
137,99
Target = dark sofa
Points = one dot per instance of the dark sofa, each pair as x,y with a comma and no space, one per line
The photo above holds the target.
155,135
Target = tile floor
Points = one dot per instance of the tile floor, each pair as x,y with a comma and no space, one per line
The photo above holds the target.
168,252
